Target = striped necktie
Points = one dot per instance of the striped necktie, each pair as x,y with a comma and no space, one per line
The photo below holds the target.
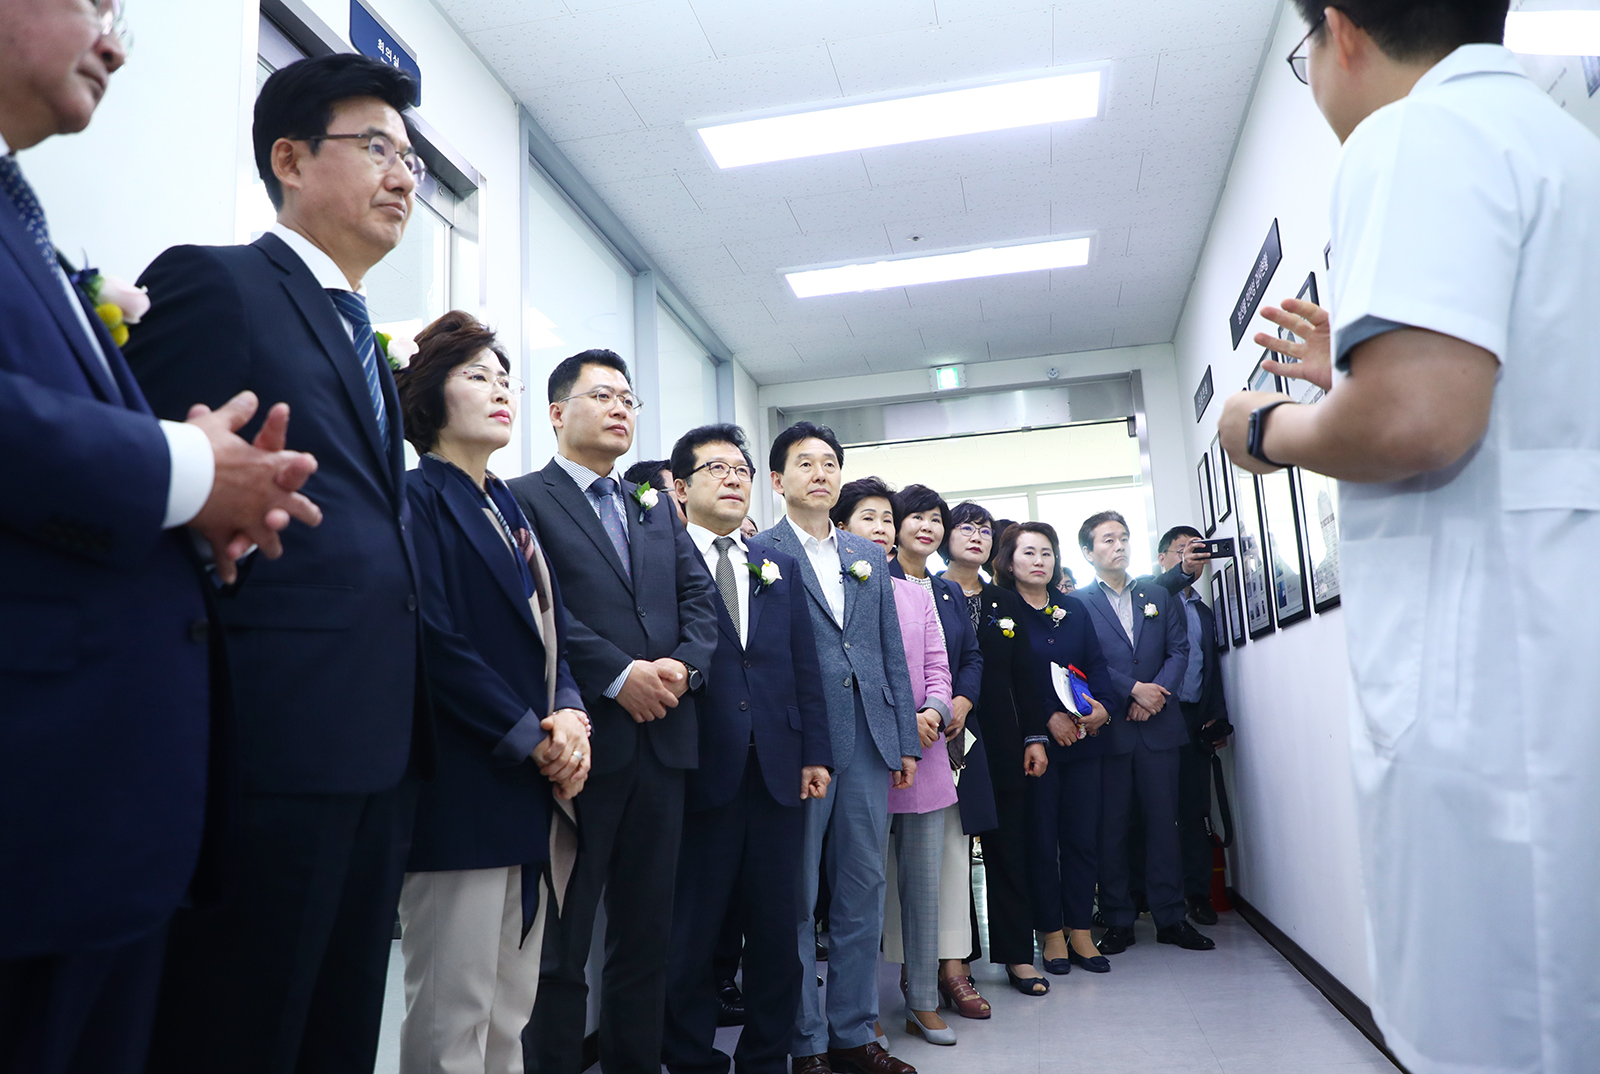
21,194
353,308
604,492
726,585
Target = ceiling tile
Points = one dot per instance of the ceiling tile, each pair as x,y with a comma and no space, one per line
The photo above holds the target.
714,189
1218,71
584,109
924,57
612,158
970,154
597,44
738,27
790,79
864,208
471,16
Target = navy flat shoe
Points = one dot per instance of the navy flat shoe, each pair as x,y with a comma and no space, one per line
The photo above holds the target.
1097,964
1058,966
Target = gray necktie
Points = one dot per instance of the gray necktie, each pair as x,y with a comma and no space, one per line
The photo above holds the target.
726,585
602,490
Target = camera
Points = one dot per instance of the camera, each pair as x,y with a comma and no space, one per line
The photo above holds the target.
1221,548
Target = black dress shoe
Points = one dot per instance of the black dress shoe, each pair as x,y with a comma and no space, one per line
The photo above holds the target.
1201,910
810,1064
1118,938
1185,936
730,1004
1094,964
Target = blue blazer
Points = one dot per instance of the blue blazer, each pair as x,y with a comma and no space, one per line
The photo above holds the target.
487,806
663,604
1070,642
865,655
770,689
103,636
324,643
976,788
1158,653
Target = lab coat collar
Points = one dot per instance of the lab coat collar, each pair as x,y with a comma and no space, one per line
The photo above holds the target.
1470,60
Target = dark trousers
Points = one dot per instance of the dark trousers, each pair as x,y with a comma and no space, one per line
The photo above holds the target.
1005,874
747,852
730,944
1194,807
88,1012
630,822
287,974
1064,826
1152,776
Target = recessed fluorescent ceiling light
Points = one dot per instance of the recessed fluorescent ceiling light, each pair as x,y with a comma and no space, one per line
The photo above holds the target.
939,268
1553,33
1053,99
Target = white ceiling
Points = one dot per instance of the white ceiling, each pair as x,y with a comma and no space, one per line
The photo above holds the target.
615,84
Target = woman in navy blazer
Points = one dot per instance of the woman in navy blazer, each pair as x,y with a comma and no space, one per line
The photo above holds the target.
511,732
1064,803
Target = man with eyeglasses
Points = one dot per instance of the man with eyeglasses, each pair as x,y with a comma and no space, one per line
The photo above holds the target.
332,715
642,629
763,751
107,722
1464,430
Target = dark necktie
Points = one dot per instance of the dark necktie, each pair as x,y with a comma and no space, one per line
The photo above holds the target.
21,194
726,584
353,308
603,490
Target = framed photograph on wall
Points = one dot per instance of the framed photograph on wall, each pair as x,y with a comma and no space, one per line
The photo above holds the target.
1208,504
1230,588
1261,380
1219,471
1280,517
1219,609
1301,391
1252,549
1319,506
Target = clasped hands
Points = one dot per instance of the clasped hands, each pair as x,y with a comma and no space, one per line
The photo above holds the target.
564,757
1147,699
255,489
1066,729
652,687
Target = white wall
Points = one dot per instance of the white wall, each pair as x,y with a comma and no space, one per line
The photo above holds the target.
1296,856
1164,407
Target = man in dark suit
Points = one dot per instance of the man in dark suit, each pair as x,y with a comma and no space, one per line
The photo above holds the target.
1146,646
763,750
642,631
104,744
1205,714
323,647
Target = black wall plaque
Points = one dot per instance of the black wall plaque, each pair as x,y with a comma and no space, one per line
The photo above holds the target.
1255,286
1203,394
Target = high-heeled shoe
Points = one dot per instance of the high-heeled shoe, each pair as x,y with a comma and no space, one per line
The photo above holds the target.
959,994
914,1026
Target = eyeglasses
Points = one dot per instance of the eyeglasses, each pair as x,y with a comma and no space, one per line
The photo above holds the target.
719,471
482,378
605,397
113,19
1301,56
383,152
967,529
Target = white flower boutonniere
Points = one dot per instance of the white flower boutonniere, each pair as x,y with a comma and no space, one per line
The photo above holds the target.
647,498
1008,627
397,352
860,570
1056,614
1150,611
765,574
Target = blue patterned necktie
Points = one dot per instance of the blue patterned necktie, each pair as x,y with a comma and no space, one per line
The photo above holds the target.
21,194
604,492
354,309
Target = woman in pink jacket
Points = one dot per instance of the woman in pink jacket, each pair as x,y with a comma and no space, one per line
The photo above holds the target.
917,812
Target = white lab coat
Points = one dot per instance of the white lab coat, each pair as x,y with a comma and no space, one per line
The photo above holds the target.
1472,208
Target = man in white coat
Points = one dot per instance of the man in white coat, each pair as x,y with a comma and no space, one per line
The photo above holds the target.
1465,430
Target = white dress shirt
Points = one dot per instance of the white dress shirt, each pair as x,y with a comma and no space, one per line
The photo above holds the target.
1121,603
824,557
194,466
739,556
583,477
1471,208
330,277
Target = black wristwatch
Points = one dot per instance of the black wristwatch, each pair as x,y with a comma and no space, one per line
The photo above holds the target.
695,680
1258,431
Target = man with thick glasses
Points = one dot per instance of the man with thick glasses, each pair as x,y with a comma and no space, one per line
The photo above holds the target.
1464,429
104,717
642,628
332,717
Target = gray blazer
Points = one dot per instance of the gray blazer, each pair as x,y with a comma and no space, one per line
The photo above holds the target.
867,654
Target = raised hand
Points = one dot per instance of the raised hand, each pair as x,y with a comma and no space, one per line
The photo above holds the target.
1311,351
256,488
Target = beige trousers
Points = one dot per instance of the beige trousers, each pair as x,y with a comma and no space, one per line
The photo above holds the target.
955,896
470,984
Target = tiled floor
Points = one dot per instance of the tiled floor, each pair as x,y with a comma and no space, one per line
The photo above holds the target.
1240,1009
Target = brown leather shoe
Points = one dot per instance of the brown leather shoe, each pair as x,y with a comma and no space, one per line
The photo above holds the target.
810,1064
870,1058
